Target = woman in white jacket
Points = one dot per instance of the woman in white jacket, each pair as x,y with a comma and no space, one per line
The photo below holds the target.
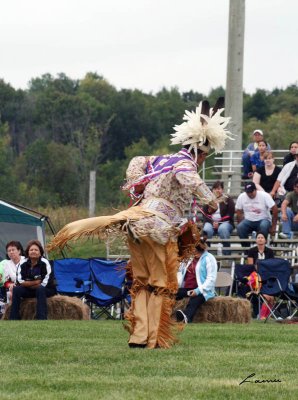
286,178
198,282
15,256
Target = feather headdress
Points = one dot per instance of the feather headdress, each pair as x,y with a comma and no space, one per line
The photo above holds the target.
203,129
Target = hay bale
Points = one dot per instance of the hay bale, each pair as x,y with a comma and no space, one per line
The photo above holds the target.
220,309
59,307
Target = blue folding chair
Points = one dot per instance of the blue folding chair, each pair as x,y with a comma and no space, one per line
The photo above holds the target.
108,288
274,276
242,288
73,277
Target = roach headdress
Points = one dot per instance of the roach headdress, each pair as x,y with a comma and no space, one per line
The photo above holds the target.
204,128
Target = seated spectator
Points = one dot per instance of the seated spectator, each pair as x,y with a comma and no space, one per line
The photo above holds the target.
221,222
34,279
265,177
253,212
2,289
249,151
257,159
198,282
2,274
259,252
291,156
286,178
14,255
289,212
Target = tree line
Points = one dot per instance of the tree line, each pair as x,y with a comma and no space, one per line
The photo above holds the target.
53,133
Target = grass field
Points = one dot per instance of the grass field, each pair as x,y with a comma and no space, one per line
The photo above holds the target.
91,360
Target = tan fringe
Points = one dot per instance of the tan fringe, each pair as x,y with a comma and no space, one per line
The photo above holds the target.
129,323
189,238
166,337
102,227
168,327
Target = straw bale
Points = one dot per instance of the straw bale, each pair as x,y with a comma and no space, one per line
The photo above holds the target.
220,309
59,307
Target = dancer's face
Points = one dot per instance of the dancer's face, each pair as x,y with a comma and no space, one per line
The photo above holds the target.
201,158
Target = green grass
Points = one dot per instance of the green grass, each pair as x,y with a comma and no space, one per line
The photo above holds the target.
87,248
91,360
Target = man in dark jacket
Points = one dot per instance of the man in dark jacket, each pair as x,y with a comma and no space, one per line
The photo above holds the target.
220,222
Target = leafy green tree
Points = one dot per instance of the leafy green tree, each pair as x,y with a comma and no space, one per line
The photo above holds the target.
285,100
132,120
281,128
49,172
97,87
258,106
7,180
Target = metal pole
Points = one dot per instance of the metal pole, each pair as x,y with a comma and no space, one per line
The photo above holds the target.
92,191
234,86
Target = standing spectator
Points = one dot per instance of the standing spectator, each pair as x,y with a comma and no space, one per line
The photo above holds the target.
198,283
249,151
289,212
253,212
34,279
222,221
286,178
265,177
291,156
257,159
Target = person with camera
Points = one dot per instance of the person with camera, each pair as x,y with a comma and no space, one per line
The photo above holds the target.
198,282
34,279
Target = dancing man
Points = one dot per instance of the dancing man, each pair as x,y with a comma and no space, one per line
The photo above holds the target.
163,187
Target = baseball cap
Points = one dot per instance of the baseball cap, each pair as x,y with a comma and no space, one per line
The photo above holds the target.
258,131
250,187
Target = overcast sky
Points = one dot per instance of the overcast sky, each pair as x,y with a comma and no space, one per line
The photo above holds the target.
147,44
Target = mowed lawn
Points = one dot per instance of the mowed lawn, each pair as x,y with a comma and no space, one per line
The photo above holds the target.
91,360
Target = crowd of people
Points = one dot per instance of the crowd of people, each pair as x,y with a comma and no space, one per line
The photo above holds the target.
256,210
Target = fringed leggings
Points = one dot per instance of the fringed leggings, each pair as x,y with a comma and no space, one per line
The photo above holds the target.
154,268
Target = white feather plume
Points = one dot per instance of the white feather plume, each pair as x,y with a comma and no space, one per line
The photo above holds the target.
193,132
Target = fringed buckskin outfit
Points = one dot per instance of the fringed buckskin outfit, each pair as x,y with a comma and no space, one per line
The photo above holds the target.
171,182
163,187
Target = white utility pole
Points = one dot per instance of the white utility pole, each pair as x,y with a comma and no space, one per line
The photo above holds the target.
92,193
234,89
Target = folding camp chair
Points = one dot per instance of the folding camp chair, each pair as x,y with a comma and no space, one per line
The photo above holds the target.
242,272
274,274
242,287
223,281
73,277
108,288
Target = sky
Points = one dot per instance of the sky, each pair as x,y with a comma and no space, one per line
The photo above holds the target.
147,44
